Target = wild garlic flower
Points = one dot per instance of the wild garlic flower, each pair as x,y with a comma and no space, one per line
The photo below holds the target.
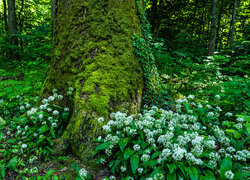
190,96
54,125
228,114
136,147
51,98
123,168
24,146
22,108
60,97
83,173
145,157
100,120
45,101
55,112
229,175
217,97
40,116
140,170
66,109
240,119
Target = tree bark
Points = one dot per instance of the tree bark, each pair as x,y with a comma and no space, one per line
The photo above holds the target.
233,24
93,53
12,28
153,14
213,29
5,16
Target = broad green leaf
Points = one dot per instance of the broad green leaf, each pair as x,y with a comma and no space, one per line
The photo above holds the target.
128,152
134,161
103,146
237,135
122,143
171,167
12,163
155,154
171,176
225,166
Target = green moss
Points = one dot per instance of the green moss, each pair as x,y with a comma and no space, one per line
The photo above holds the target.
93,52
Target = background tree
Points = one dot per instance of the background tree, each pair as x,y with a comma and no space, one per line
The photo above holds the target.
12,27
213,29
233,24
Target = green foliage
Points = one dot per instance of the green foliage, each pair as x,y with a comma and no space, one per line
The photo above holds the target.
191,143
154,92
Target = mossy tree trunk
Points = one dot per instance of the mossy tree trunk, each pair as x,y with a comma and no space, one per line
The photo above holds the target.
93,53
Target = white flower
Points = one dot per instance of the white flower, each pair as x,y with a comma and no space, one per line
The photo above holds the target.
40,116
229,175
83,172
53,124
106,128
49,109
239,126
27,105
145,157
140,170
22,108
44,123
228,114
50,118
100,120
55,112
103,161
66,109
26,127
45,101
210,114
60,97
136,147
51,98
240,119
24,146
217,97
190,96
123,168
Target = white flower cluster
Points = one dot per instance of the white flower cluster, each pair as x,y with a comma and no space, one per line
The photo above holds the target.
178,137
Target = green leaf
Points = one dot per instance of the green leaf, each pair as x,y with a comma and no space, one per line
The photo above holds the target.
171,167
237,135
134,161
12,163
122,143
225,166
155,154
102,146
193,173
128,152
171,176
2,171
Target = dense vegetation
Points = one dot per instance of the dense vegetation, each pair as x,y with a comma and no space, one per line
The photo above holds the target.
194,122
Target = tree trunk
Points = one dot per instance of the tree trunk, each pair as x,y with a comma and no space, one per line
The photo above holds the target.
93,53
153,14
12,28
204,20
219,24
213,29
233,24
5,16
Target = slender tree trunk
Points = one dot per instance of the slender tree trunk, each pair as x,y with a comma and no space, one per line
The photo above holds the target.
219,24
20,18
93,53
5,15
153,15
233,24
213,29
204,21
194,17
12,28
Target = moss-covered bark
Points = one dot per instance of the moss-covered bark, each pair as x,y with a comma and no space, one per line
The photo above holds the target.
93,53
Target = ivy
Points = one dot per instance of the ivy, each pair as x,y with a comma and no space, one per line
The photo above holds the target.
155,92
